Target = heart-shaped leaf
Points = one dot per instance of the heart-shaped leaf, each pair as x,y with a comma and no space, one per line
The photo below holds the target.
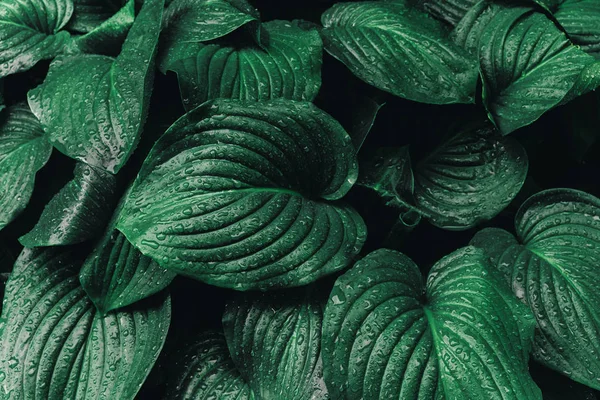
78,212
54,345
30,32
275,341
203,370
112,96
289,66
553,267
462,336
400,50
469,178
188,22
234,195
23,151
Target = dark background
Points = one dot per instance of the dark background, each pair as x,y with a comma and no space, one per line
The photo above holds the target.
560,146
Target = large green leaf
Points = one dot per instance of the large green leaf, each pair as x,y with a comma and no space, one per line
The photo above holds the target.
203,370
462,336
188,22
30,32
54,345
90,14
23,151
77,213
553,267
469,178
528,66
234,194
450,11
111,95
289,66
400,50
275,341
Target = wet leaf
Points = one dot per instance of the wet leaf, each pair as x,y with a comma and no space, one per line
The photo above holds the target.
90,14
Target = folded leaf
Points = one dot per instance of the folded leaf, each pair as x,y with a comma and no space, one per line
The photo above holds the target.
400,50
189,22
77,213
30,32
233,195
462,336
275,341
528,66
54,345
116,274
89,14
553,268
288,67
112,96
469,178
204,370
23,151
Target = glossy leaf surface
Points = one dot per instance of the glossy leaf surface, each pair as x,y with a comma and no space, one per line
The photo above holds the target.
54,345
462,335
552,266
240,194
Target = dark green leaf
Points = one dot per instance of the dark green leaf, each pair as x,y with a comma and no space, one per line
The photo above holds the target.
89,14
111,95
233,194
363,120
23,151
204,371
55,346
469,178
116,274
109,35
450,11
400,50
188,22
553,267
275,341
288,67
528,66
29,32
462,336
78,212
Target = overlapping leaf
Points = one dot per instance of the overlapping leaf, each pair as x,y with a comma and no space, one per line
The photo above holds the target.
239,194
93,107
90,14
470,177
23,151
30,31
78,212
400,50
204,371
553,267
289,66
275,341
462,336
55,345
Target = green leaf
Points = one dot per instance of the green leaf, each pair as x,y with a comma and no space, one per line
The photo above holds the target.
188,22
116,274
400,50
203,370
288,67
469,178
461,336
54,345
275,341
528,66
29,32
112,97
23,151
110,34
553,268
89,14
450,11
234,194
77,213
